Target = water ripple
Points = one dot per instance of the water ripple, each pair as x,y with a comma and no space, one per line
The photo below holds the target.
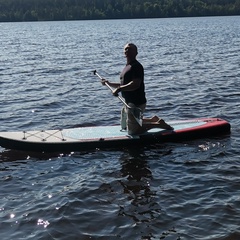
186,190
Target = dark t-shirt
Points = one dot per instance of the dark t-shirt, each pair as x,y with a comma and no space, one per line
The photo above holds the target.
131,71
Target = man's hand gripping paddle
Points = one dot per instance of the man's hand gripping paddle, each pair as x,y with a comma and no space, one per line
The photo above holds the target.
136,112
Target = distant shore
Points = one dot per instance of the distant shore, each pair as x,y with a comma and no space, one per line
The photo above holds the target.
59,10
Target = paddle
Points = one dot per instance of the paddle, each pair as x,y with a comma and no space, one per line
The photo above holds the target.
136,112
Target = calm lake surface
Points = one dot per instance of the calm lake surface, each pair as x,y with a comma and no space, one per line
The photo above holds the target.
186,190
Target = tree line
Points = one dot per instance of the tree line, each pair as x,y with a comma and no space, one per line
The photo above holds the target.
54,10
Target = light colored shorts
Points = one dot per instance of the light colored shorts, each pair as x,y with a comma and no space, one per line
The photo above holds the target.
128,118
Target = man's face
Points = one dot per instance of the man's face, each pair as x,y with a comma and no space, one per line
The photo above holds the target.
130,51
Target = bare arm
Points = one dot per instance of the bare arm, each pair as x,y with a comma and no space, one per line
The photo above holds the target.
131,86
114,85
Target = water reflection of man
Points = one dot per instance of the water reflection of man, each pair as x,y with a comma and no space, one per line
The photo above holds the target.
137,184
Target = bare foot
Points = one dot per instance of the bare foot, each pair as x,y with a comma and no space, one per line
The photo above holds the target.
164,125
155,119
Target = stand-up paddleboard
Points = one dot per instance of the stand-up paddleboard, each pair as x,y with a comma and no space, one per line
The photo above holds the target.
83,138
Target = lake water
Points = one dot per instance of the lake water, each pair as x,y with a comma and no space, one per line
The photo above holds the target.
186,190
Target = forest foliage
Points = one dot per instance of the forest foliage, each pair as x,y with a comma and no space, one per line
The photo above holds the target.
53,10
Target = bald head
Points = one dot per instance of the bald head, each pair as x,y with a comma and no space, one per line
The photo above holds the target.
130,51
132,47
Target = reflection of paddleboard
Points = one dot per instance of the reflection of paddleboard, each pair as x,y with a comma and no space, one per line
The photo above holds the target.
82,138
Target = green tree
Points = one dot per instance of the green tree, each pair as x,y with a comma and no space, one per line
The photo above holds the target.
33,10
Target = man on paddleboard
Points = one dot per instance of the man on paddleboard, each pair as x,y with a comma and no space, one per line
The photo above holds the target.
133,91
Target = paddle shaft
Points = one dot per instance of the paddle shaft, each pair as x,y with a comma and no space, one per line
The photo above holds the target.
139,121
120,98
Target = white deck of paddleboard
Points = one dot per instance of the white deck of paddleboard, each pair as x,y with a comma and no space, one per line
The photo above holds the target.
88,133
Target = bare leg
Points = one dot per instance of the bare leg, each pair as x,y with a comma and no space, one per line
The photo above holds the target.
155,122
151,120
149,124
159,124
